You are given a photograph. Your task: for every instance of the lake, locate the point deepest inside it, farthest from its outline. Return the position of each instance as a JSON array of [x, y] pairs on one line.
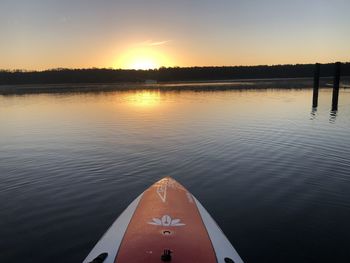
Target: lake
[[272, 172]]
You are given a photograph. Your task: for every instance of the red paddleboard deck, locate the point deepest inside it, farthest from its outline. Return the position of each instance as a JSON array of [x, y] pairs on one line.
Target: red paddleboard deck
[[164, 224]]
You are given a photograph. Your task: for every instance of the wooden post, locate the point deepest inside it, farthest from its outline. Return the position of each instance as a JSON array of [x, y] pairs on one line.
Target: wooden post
[[316, 85], [336, 86]]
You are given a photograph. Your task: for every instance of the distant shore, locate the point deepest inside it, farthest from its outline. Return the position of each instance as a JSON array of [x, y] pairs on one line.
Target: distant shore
[[215, 85], [176, 78], [171, 74]]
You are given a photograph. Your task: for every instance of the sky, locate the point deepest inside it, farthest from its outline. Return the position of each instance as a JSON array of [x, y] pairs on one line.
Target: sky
[[44, 34]]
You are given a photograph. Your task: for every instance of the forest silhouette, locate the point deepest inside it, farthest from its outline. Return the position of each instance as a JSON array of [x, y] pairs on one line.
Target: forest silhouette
[[103, 75]]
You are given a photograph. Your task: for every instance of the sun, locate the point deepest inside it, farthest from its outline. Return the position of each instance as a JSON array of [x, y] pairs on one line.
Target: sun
[[142, 58], [144, 63]]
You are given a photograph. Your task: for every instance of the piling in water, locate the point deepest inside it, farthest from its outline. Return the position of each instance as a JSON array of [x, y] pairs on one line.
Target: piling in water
[[316, 85], [336, 86]]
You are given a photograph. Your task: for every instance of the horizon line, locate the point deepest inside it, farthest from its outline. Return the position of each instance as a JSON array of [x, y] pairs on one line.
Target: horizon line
[[163, 67]]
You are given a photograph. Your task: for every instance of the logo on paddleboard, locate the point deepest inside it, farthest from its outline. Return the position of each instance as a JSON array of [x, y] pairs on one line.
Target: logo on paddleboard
[[161, 191], [164, 184], [166, 221]]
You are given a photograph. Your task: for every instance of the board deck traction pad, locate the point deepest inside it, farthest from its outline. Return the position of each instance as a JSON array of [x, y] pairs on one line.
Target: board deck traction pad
[[165, 217]]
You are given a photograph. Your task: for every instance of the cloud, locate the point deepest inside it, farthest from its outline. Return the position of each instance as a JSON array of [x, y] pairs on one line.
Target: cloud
[[159, 43], [154, 43]]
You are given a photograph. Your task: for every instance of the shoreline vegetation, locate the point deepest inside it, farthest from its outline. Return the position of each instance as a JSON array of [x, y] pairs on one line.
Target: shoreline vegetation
[[190, 78]]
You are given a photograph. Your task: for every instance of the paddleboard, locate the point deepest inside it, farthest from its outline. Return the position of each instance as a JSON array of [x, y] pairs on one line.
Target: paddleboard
[[166, 223]]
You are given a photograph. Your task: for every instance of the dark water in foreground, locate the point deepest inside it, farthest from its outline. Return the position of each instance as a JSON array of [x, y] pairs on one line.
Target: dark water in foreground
[[274, 175]]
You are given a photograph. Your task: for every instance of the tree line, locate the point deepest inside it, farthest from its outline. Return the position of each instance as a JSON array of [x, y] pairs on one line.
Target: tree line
[[163, 74]]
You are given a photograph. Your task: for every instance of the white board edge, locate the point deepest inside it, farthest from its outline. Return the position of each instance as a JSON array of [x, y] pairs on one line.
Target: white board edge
[[222, 246], [112, 238]]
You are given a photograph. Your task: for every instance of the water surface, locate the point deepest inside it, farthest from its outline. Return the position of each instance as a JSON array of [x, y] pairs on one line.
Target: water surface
[[273, 173]]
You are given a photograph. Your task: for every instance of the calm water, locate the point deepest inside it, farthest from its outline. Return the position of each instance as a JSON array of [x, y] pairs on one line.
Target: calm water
[[274, 174]]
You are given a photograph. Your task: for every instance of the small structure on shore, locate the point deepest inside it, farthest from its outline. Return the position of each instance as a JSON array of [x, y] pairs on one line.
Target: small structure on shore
[[151, 81]]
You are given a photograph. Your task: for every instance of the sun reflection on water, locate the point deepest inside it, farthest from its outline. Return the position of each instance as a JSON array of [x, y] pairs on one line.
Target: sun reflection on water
[[145, 98]]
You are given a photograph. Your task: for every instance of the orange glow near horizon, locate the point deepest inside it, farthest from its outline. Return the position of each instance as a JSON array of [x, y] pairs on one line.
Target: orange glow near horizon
[[42, 35], [142, 58]]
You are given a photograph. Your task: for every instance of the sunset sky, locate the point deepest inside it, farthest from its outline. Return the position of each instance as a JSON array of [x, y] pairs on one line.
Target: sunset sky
[[42, 34]]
